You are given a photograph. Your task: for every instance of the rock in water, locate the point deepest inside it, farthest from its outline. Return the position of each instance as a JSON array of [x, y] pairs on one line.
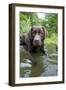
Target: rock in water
[[25, 65]]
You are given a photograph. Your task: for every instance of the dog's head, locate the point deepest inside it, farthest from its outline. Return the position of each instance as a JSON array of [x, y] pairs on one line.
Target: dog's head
[[38, 34]]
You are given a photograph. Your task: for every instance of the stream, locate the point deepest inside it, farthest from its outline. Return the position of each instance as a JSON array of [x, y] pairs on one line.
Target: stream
[[47, 65]]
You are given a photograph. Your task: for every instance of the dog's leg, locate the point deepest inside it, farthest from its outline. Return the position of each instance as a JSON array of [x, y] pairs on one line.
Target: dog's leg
[[31, 59]]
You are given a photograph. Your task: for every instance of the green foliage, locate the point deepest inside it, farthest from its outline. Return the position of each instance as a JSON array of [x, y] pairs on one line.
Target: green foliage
[[24, 23], [53, 39], [51, 23]]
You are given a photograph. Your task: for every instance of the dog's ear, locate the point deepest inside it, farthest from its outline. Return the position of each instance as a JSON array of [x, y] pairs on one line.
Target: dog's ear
[[45, 31], [30, 33], [28, 39]]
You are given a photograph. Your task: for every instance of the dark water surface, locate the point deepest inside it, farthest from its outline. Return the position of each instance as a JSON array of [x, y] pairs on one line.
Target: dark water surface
[[47, 65]]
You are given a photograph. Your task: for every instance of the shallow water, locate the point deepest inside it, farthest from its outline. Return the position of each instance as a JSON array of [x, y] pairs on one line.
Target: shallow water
[[47, 65]]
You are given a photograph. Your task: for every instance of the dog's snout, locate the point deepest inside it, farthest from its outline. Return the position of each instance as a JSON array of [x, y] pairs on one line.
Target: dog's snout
[[37, 40]]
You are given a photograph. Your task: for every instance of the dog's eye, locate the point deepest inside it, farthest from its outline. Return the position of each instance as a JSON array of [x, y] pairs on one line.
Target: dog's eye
[[34, 33]]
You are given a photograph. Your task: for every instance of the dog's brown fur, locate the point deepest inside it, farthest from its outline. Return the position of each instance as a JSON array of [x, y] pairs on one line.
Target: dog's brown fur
[[34, 40]]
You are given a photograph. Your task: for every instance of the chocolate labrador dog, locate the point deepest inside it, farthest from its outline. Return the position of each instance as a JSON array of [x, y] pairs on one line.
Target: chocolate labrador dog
[[34, 40]]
